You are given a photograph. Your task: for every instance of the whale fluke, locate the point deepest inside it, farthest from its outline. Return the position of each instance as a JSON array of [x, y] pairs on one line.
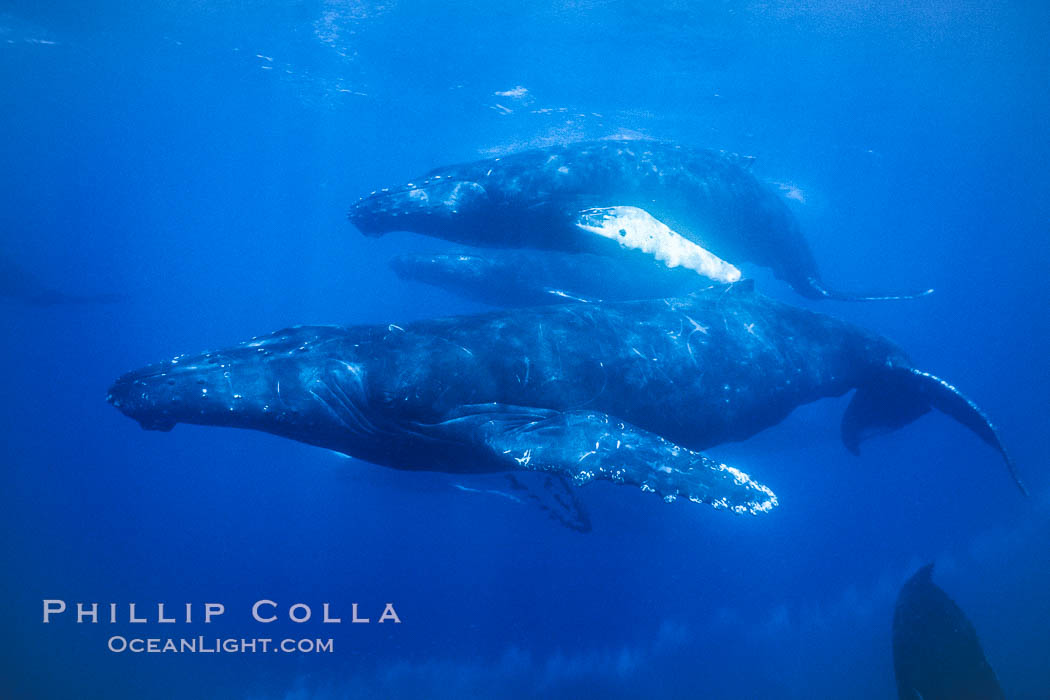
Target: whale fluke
[[814, 289], [900, 394], [950, 401]]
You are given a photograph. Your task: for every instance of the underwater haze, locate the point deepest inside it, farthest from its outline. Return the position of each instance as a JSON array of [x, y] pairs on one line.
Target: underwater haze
[[193, 163]]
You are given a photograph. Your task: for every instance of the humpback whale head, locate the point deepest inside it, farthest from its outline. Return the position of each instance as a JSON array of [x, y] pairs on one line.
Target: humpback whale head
[[285, 383], [438, 205]]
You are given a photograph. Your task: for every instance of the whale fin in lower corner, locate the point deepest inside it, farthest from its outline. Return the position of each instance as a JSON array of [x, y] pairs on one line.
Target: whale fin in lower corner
[[584, 446]]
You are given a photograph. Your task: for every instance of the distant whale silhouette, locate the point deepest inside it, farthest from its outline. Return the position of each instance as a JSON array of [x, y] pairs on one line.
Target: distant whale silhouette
[[533, 277], [21, 285], [692, 208], [936, 653], [626, 392]]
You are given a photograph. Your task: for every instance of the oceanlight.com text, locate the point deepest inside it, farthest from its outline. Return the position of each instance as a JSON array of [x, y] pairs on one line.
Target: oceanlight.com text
[[217, 645]]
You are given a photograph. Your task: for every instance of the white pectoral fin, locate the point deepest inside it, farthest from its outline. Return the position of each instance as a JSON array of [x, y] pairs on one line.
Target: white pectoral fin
[[637, 229], [585, 445]]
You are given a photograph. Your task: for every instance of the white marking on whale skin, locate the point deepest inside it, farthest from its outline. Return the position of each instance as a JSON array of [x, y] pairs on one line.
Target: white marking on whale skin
[[791, 191], [493, 492], [635, 228], [566, 295], [517, 91]]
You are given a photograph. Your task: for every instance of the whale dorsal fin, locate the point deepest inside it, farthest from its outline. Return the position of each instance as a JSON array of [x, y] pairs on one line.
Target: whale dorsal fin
[[925, 574], [739, 160], [743, 287]]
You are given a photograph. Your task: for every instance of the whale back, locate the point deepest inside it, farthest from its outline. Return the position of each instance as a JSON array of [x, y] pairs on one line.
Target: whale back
[[717, 365], [708, 196]]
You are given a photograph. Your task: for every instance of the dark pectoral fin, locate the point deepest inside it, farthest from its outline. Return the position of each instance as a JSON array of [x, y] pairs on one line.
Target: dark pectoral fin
[[553, 494], [585, 445]]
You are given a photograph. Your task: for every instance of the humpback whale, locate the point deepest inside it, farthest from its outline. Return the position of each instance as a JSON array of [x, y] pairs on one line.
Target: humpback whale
[[629, 392], [936, 653], [532, 277], [698, 209]]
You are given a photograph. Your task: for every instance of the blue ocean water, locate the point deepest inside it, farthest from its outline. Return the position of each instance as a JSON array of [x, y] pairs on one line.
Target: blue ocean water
[[199, 159]]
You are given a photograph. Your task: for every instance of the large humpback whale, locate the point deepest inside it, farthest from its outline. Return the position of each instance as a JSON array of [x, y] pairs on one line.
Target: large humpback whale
[[698, 209], [936, 653], [627, 392]]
